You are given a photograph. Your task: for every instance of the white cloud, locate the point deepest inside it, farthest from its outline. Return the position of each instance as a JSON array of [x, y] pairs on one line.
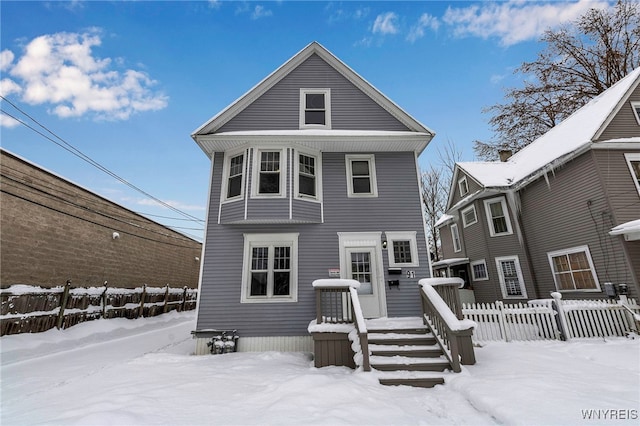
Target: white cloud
[[260, 12], [9, 87], [6, 58], [8, 122], [61, 70], [425, 21], [386, 23], [215, 4], [515, 21]]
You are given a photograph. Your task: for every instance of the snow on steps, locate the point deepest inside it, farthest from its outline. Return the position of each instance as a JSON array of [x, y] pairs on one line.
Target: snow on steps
[[404, 352]]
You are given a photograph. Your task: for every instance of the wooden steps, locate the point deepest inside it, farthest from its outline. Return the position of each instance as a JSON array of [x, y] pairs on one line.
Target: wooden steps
[[406, 353]]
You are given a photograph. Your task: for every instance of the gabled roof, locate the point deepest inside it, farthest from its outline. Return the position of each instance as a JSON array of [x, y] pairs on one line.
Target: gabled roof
[[217, 121], [558, 145]]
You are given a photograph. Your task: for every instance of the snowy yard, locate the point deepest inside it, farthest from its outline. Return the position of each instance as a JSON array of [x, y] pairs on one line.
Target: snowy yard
[[140, 372]]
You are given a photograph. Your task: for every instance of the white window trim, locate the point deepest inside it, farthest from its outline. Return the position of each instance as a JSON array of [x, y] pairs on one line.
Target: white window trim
[[634, 107], [462, 181], [372, 174], [327, 108], [255, 174], [285, 239], [402, 236], [486, 270], [475, 214], [629, 157], [487, 210], [503, 287], [226, 168], [296, 180], [578, 249], [456, 247]]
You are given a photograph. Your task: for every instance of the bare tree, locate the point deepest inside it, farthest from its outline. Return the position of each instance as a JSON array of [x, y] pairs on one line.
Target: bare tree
[[436, 182], [580, 61]]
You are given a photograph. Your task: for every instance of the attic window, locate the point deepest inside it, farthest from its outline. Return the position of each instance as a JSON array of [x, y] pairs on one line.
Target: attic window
[[463, 186], [315, 108], [635, 106]]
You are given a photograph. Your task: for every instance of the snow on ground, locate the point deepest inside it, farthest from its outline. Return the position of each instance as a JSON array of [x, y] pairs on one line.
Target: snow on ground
[[141, 372]]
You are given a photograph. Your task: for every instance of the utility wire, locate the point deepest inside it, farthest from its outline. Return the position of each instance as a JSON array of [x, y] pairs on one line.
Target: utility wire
[[75, 151]]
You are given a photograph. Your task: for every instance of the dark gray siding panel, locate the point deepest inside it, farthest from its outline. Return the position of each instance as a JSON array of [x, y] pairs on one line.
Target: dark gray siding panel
[[618, 184], [263, 209], [318, 252], [472, 184], [624, 124], [278, 108], [571, 211], [232, 212], [306, 211]]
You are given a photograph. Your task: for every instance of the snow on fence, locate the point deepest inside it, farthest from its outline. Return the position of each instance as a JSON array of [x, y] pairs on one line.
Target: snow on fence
[[552, 319], [33, 309]]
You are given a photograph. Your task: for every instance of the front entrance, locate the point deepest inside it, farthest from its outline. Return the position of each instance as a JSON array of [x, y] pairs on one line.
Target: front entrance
[[361, 260]]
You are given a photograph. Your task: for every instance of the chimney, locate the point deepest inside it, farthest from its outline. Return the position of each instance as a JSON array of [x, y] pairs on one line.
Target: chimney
[[505, 154]]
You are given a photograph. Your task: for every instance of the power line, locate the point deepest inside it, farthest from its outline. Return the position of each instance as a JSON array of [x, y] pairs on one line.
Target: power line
[[75, 151]]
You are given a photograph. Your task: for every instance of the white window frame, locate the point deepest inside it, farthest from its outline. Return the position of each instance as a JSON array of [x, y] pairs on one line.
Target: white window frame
[[402, 236], [635, 107], [455, 237], [463, 186], [464, 218], [629, 157], [503, 286], [327, 108], [372, 175], [318, 174], [255, 175], [270, 240], [226, 170], [486, 270], [505, 211], [568, 251]]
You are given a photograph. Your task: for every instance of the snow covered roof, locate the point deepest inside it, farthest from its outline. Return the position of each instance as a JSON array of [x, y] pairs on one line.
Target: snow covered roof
[[560, 143], [449, 262], [630, 230], [443, 219]]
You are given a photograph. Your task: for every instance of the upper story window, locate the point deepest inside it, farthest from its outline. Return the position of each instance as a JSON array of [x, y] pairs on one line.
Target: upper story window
[[269, 173], [315, 108], [636, 110], [361, 175], [270, 272], [233, 182], [307, 182], [479, 270], [469, 216], [463, 186], [455, 236], [573, 269], [403, 249], [633, 161], [498, 217]]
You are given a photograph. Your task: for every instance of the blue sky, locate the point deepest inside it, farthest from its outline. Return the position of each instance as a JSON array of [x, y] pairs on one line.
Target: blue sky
[[127, 83]]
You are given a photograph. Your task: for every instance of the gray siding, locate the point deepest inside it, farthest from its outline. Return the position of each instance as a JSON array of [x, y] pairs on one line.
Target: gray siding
[[574, 212], [618, 184], [397, 208], [473, 187], [624, 124], [278, 108]]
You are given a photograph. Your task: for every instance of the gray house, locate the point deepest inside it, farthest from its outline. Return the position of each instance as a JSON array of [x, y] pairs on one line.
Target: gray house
[[313, 175], [561, 215]]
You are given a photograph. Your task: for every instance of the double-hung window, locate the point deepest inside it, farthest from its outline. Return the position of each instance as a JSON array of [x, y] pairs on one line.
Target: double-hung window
[[635, 106], [511, 280], [469, 216], [307, 172], [361, 175], [463, 186], [402, 249], [479, 270], [315, 108], [497, 217], [573, 269], [455, 237], [270, 272], [269, 173], [234, 176], [633, 161]]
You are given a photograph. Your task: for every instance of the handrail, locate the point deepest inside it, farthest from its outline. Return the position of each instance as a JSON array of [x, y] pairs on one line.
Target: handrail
[[452, 334], [337, 302]]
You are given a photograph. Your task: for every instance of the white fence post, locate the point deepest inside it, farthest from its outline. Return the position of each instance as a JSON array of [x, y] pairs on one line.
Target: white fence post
[[564, 327], [501, 319]]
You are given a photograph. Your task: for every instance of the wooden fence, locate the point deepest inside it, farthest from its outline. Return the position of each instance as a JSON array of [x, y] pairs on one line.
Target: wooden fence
[[31, 309], [552, 319]]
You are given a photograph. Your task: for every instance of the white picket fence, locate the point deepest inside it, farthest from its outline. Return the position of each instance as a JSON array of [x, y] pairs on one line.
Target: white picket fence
[[540, 320]]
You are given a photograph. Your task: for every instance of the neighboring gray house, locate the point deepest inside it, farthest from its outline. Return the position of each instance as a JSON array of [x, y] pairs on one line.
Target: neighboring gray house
[[314, 175], [559, 215]]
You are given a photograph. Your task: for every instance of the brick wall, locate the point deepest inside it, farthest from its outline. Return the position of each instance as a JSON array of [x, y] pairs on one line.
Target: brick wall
[[52, 230]]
